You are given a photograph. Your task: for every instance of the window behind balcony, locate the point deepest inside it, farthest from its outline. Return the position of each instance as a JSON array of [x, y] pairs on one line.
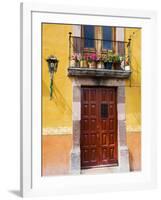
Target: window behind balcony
[[103, 34], [107, 37], [89, 36]]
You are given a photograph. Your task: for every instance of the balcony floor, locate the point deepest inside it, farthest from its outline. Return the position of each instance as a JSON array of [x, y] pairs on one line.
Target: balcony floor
[[103, 73]]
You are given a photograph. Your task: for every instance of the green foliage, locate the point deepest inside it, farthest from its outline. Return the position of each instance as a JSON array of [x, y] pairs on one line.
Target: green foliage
[[112, 58], [116, 59]]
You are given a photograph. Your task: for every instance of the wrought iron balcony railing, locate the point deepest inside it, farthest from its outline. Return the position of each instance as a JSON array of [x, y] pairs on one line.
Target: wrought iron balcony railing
[[106, 55]]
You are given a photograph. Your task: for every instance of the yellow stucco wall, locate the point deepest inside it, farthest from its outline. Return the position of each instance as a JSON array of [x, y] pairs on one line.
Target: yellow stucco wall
[[56, 113], [133, 86]]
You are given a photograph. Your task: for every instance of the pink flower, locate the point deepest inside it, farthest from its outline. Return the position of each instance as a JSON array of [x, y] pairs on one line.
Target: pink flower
[[93, 57]]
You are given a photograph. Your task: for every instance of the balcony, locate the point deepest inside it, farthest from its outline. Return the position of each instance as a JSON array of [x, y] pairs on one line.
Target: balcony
[[99, 61], [103, 73]]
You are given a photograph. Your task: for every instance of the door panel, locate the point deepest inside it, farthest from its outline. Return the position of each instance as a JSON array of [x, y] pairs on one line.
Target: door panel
[[98, 127]]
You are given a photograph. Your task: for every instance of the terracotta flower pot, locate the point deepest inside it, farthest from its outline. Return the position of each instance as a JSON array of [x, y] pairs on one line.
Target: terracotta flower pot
[[117, 66], [127, 68], [92, 65], [72, 63], [100, 65], [84, 63]]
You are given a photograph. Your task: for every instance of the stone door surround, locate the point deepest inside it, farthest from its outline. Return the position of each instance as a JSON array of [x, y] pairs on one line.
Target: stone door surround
[[123, 154]]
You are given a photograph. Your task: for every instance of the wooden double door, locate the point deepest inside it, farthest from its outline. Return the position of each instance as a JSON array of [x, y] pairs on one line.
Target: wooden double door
[[98, 139]]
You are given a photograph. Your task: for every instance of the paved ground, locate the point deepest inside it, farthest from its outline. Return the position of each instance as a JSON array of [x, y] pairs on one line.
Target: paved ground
[[56, 153]]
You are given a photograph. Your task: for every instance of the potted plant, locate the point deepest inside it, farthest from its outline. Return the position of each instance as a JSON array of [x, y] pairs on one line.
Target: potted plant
[[108, 61], [117, 62], [91, 59], [99, 61], [75, 60], [72, 61], [83, 61], [127, 66]]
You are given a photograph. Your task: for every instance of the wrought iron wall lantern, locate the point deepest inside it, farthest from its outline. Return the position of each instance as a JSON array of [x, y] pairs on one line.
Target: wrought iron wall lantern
[[52, 66]]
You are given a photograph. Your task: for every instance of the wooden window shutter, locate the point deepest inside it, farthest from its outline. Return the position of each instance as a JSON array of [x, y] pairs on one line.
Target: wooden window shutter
[[120, 46], [77, 42]]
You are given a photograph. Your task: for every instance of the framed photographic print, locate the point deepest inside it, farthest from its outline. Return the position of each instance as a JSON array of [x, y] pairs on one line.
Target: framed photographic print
[[87, 99]]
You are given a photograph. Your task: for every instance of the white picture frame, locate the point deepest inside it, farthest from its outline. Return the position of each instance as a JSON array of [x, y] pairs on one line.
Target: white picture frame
[[32, 183]]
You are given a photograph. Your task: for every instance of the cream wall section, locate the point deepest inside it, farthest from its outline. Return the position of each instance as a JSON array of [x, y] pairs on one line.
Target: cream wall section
[[133, 89], [56, 113]]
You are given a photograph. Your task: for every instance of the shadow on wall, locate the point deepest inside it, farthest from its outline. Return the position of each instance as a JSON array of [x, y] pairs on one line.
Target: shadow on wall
[[134, 146], [58, 98], [136, 73], [135, 59]]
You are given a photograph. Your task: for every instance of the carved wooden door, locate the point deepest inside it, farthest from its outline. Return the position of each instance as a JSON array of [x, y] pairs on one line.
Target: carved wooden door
[[98, 140]]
